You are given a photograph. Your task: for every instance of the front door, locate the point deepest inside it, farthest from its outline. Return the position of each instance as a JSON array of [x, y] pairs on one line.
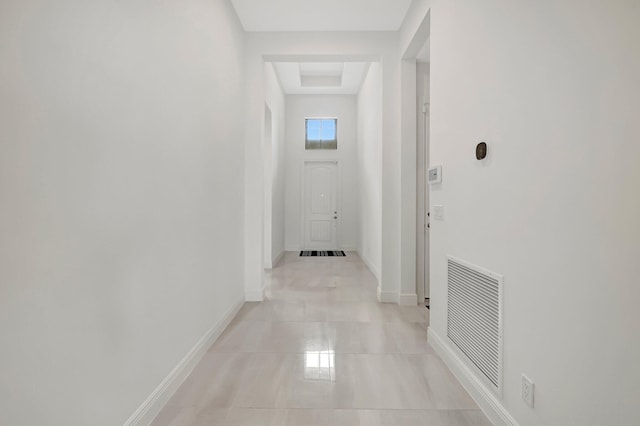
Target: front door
[[321, 214]]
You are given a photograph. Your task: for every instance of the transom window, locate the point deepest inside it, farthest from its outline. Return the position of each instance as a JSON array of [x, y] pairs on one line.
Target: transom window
[[321, 133]]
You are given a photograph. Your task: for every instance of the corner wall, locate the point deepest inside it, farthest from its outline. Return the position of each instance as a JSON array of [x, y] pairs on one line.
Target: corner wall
[[275, 99], [552, 87], [370, 169], [121, 137]]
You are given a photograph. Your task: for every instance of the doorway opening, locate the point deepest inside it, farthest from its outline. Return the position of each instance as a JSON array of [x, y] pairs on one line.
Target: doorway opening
[[423, 215], [325, 111], [415, 121]]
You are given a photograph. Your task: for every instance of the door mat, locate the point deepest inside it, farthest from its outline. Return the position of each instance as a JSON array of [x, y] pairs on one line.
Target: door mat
[[338, 253]]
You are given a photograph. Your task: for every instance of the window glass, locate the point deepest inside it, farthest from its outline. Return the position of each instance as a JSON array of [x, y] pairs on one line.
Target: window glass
[[328, 130], [321, 133], [314, 130]]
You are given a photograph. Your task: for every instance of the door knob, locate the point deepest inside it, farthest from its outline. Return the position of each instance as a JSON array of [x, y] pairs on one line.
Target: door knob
[[335, 217]]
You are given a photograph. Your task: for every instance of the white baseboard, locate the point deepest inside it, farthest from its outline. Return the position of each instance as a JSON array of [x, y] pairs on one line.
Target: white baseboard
[[277, 259], [387, 296], [254, 295], [150, 408], [372, 267], [348, 248], [408, 299], [274, 262], [485, 399]]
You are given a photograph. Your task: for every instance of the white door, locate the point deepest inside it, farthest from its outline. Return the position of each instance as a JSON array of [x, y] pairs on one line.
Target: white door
[[321, 215]]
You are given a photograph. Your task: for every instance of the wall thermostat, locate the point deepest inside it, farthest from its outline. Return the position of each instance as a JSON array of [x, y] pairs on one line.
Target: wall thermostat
[[435, 174], [481, 150]]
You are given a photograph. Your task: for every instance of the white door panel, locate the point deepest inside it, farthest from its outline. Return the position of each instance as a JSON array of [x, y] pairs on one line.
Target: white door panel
[[321, 231], [320, 211]]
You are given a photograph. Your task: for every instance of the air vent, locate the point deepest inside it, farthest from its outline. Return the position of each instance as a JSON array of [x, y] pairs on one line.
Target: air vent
[[474, 317]]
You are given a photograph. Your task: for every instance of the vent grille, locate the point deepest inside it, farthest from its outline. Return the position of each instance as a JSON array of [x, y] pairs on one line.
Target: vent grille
[[474, 317]]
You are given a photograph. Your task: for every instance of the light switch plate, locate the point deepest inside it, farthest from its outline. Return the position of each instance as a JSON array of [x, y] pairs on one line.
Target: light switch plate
[[435, 174], [438, 212]]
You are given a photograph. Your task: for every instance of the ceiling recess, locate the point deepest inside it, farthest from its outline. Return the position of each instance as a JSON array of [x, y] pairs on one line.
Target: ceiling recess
[[322, 78]]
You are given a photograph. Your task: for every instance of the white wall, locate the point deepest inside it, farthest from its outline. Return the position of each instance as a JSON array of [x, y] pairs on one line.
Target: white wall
[[370, 169], [275, 99], [552, 87], [299, 107], [121, 129]]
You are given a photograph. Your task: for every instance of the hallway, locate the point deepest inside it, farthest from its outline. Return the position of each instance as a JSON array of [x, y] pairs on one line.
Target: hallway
[[321, 351]]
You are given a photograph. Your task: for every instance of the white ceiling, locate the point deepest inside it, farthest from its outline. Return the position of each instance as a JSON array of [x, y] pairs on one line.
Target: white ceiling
[[327, 78], [325, 15]]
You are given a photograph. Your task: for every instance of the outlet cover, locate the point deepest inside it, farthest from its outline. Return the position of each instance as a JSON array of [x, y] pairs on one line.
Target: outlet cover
[[527, 390]]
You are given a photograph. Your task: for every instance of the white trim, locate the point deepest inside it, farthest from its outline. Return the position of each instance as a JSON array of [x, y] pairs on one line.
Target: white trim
[[255, 296], [482, 395], [346, 248], [150, 408], [408, 299], [277, 259], [372, 267], [268, 264], [387, 296], [271, 263]]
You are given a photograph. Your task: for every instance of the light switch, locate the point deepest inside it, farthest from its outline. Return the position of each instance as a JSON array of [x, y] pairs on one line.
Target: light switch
[[434, 174], [438, 212]]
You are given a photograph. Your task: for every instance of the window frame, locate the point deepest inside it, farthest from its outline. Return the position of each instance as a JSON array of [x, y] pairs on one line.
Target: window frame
[[311, 144]]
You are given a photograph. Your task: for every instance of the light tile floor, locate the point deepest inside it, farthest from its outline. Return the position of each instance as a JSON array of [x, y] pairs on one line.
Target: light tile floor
[[322, 351]]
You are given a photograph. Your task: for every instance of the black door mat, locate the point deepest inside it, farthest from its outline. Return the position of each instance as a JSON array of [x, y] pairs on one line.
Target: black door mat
[[338, 253]]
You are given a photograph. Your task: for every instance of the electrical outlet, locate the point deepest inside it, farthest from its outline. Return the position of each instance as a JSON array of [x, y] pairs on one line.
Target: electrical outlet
[[527, 390]]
